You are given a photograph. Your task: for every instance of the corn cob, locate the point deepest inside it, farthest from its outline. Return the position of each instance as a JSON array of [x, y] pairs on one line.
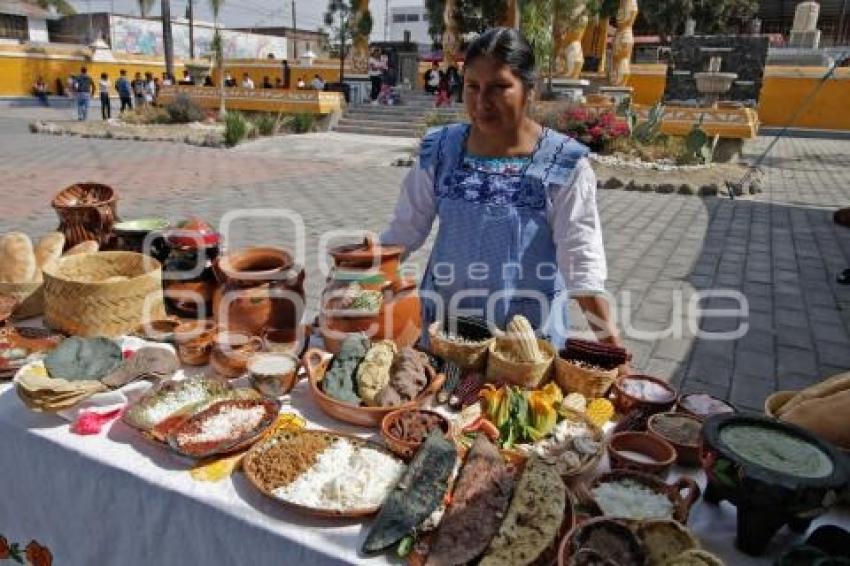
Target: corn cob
[[523, 340], [605, 356], [467, 391]]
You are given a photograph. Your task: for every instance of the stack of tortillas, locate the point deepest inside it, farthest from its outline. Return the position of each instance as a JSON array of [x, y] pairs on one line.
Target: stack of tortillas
[[69, 374], [40, 392], [823, 409]]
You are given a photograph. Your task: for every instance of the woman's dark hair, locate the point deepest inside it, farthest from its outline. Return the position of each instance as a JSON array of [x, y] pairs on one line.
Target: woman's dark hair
[[508, 46]]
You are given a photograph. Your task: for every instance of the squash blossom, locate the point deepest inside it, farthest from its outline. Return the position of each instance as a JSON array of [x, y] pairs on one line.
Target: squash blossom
[[496, 404], [543, 415]]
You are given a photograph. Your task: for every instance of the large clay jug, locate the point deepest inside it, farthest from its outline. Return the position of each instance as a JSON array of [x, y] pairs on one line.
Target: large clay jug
[[259, 288]]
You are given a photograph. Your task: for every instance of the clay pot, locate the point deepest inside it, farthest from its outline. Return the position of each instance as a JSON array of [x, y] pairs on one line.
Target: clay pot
[[144, 236], [683, 493], [626, 400], [231, 353], [686, 454], [623, 446], [407, 448], [187, 274], [194, 341], [259, 288], [273, 374], [287, 340], [87, 211], [376, 267]]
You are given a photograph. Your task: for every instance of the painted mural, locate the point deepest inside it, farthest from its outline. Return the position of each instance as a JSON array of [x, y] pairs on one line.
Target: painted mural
[[135, 35]]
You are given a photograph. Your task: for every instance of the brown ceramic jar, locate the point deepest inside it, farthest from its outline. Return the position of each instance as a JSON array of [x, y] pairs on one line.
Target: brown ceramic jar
[[399, 318], [258, 288]]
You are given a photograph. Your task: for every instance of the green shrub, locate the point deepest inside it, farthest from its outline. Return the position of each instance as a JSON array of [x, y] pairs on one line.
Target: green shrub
[[235, 128], [145, 115], [436, 118], [183, 110], [302, 123], [266, 124]]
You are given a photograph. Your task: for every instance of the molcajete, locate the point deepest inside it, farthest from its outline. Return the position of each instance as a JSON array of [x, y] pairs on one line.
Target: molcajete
[[775, 474], [258, 288], [372, 269]]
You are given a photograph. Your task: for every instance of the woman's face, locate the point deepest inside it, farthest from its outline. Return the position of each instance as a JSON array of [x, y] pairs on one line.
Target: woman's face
[[495, 99]]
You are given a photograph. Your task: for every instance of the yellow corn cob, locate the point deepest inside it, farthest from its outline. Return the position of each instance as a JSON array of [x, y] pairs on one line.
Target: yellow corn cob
[[522, 339]]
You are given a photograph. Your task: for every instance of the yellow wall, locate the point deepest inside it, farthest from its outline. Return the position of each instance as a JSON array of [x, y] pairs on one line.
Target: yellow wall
[[262, 100], [21, 66]]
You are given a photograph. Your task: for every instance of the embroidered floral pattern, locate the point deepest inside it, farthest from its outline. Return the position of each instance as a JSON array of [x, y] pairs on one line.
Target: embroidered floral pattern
[[34, 554]]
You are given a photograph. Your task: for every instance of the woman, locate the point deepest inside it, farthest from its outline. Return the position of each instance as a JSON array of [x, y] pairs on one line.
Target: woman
[[105, 106], [516, 203], [375, 72]]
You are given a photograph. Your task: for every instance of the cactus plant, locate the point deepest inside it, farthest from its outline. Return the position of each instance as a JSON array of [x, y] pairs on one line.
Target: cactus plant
[[645, 132], [699, 146]]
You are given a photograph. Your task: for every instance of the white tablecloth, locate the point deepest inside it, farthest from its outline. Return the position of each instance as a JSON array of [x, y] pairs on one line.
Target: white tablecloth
[[116, 498]]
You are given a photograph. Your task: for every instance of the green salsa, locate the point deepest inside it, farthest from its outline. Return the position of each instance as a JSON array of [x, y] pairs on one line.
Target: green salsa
[[777, 451]]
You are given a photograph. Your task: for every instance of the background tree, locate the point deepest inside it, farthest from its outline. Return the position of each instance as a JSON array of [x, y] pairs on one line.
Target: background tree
[[344, 26], [472, 16], [668, 17], [61, 6], [145, 7]]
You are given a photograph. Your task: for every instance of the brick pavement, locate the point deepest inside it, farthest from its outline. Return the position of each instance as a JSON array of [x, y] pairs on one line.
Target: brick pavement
[[780, 250]]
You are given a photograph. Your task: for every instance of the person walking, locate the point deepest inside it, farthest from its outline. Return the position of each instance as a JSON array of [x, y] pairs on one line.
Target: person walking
[[149, 91], [247, 81], [84, 87], [139, 90], [125, 92], [39, 90], [105, 106], [432, 78], [317, 83], [375, 72], [455, 83]]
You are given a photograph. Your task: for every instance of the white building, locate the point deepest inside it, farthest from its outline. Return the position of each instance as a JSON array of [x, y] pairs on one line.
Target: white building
[[408, 21], [22, 21]]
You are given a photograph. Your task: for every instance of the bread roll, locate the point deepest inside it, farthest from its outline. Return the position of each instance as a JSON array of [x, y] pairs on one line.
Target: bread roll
[[17, 258], [49, 248], [825, 388], [824, 416], [87, 247]]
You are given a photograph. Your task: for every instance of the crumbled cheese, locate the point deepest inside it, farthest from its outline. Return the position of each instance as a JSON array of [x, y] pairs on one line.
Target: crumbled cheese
[[229, 423], [345, 476]]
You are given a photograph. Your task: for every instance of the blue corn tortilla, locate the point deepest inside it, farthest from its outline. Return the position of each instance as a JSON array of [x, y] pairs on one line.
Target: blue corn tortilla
[[83, 359]]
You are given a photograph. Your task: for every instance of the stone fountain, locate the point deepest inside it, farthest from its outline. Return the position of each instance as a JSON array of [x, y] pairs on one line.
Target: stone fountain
[[713, 83]]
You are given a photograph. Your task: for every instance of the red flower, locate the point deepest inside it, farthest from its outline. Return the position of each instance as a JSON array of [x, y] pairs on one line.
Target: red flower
[[38, 555]]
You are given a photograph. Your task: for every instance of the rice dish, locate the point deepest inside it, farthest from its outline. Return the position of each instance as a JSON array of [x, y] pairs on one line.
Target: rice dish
[[344, 476], [631, 500]]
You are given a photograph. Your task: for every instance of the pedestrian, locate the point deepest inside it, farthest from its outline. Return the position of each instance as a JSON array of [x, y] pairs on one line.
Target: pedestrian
[[105, 106], [278, 83], [166, 80], [247, 82], [432, 78], [187, 79], [39, 90], [317, 83], [443, 94], [287, 74], [455, 83], [542, 219], [84, 87], [267, 82], [208, 80], [125, 92], [300, 84], [138, 86], [149, 91], [229, 81], [375, 71]]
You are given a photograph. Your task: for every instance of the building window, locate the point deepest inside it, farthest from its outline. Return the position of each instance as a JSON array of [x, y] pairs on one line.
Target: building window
[[13, 27], [399, 18], [412, 17]]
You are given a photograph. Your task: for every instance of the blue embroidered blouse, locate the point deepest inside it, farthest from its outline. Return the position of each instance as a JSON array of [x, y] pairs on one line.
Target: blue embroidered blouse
[[513, 233]]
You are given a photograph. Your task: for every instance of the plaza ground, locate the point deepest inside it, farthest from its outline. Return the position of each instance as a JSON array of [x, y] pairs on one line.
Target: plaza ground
[[781, 249]]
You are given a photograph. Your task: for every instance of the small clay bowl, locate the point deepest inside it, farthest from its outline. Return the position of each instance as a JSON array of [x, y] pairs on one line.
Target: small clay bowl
[[273, 374], [703, 405], [194, 341], [687, 453], [627, 398], [640, 452], [407, 448], [161, 330]]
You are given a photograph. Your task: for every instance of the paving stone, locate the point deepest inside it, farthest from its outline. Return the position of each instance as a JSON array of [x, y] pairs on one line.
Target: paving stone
[[796, 360], [755, 363], [833, 354], [750, 392]]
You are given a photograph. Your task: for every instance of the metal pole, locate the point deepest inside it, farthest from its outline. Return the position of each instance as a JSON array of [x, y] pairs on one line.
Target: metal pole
[[191, 31], [294, 35], [387, 20]]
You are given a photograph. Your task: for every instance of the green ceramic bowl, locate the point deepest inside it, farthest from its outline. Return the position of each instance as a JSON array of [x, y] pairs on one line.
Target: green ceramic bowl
[[142, 225]]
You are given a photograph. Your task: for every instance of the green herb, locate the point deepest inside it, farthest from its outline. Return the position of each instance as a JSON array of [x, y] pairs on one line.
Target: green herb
[[405, 546]]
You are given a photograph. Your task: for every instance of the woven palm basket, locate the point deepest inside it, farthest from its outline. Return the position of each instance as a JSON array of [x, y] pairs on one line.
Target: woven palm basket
[[29, 295], [530, 375], [103, 293], [589, 382]]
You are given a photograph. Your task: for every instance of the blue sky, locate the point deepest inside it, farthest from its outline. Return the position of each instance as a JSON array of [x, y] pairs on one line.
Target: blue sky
[[245, 13]]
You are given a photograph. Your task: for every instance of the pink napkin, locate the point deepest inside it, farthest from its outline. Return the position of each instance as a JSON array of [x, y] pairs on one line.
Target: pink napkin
[[92, 422]]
